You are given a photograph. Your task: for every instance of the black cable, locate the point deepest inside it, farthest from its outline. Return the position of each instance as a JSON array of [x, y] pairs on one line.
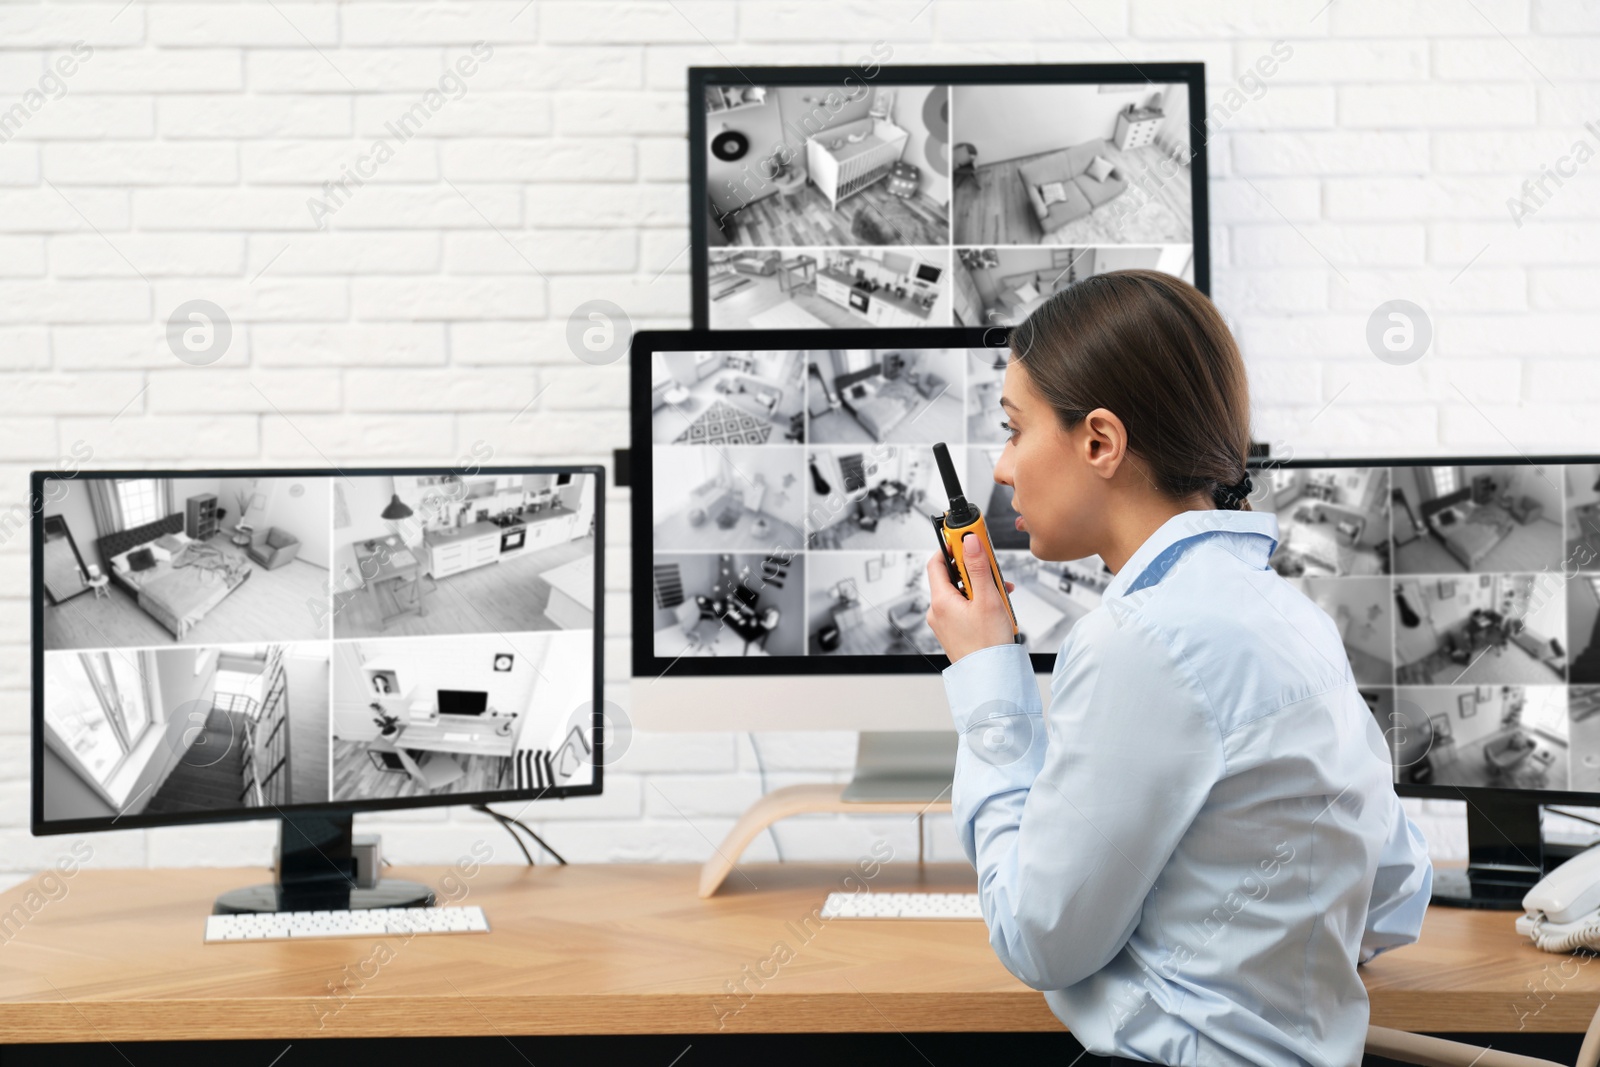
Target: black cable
[[1573, 815], [510, 820], [501, 819], [762, 771]]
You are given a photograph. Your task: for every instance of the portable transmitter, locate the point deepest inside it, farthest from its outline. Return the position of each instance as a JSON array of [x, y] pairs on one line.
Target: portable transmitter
[[964, 518]]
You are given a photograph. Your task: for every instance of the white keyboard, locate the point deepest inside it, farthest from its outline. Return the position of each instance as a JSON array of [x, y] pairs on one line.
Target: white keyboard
[[458, 737], [368, 922], [902, 906]]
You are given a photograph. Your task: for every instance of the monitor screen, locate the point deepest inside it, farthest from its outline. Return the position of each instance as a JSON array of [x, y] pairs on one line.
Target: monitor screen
[[463, 702], [211, 644], [1467, 595], [898, 196]]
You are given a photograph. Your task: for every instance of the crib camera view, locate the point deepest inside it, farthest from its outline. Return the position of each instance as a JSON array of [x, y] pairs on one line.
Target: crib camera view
[[936, 206], [796, 166]]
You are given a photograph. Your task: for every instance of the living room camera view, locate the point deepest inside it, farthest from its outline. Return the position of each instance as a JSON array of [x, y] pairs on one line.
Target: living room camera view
[[190, 667], [933, 205]]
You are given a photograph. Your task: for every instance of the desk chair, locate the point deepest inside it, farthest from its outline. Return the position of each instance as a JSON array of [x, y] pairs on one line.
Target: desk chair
[[966, 164], [691, 613], [434, 770], [1442, 1052]]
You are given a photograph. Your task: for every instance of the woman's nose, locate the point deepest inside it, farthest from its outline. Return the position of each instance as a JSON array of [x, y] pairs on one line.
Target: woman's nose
[[1002, 470]]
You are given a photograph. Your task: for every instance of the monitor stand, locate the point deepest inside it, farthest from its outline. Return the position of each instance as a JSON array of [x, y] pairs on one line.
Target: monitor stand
[[897, 773], [316, 872], [915, 766], [1507, 855]]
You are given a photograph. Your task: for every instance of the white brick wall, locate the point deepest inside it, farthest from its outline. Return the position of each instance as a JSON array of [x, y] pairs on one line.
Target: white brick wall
[[1375, 163]]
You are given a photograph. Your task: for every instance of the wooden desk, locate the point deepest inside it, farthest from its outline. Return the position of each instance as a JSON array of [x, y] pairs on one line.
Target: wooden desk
[[484, 739], [631, 949]]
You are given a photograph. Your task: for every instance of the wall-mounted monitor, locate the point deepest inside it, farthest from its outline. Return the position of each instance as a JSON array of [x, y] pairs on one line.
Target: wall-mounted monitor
[[874, 196]]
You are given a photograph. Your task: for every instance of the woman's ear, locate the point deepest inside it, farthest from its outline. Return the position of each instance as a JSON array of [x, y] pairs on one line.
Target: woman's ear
[[1104, 441]]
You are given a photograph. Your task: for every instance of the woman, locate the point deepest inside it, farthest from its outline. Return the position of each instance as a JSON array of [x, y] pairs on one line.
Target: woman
[[1195, 848]]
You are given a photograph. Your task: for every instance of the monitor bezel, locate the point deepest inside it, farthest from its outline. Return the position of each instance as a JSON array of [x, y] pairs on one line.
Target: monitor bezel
[[1188, 73], [40, 827]]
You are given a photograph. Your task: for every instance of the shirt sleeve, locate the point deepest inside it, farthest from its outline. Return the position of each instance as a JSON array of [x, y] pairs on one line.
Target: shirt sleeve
[[1401, 890], [1069, 820]]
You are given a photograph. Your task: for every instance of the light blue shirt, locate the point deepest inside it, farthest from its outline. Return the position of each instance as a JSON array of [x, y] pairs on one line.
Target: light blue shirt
[[1191, 852]]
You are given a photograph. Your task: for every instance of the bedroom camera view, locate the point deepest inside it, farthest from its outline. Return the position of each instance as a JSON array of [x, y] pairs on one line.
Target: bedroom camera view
[[896, 205], [202, 561], [216, 643]]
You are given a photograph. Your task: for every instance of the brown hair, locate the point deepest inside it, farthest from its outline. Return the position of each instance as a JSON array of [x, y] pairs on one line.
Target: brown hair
[[1153, 349]]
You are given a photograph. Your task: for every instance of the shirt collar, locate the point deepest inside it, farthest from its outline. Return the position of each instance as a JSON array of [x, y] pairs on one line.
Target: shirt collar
[[1151, 560]]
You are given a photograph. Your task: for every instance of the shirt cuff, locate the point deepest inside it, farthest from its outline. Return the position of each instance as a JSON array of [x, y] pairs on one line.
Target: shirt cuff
[[996, 682]]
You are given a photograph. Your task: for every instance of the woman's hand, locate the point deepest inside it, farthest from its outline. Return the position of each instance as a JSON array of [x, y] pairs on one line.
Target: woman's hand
[[963, 625]]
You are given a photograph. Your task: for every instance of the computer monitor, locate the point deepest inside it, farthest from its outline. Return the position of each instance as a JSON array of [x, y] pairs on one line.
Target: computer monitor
[[876, 195], [239, 644], [463, 702], [1467, 594]]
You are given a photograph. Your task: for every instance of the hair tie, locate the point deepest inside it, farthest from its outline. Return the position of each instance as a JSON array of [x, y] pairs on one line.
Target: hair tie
[[1230, 496]]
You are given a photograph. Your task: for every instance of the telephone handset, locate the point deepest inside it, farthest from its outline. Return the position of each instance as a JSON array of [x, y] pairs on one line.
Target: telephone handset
[[1564, 909]]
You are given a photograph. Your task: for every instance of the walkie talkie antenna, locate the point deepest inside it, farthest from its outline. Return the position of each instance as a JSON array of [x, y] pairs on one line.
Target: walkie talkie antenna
[[947, 471], [960, 509]]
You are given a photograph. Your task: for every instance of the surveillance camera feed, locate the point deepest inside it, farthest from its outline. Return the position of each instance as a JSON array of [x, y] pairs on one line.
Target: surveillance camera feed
[[864, 205], [214, 643]]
